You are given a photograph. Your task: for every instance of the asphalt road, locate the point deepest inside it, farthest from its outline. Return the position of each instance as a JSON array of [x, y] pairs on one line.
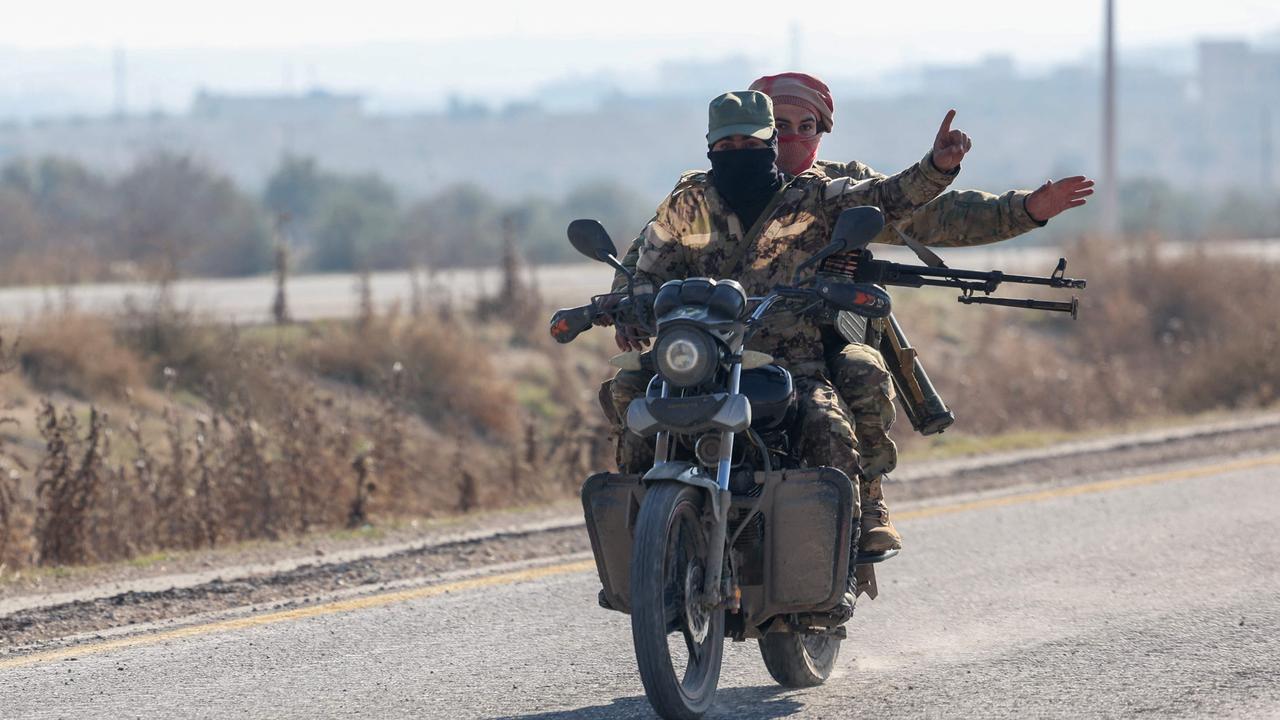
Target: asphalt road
[[310, 297], [1154, 595]]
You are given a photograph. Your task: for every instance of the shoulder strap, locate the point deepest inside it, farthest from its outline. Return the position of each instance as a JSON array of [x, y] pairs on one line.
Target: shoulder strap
[[749, 238], [927, 256]]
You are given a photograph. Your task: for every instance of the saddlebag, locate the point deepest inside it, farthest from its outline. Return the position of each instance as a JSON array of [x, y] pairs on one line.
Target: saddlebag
[[610, 503], [792, 557]]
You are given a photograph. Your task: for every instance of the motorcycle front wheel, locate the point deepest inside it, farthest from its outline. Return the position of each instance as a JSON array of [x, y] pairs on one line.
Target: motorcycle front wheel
[[679, 643]]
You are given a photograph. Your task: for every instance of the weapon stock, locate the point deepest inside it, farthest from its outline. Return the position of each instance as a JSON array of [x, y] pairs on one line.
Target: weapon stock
[[925, 408]]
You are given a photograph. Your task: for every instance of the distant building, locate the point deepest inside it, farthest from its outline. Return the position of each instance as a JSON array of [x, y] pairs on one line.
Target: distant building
[[992, 71], [706, 78], [1239, 89], [311, 106]]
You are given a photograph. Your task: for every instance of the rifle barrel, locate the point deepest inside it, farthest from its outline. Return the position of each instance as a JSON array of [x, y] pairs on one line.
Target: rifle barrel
[[1072, 307], [915, 275]]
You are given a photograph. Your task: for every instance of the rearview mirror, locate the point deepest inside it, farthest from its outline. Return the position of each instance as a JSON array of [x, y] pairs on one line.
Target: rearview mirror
[[591, 239], [857, 226]]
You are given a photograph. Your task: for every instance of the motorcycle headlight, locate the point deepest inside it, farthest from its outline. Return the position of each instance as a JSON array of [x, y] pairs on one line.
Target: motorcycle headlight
[[686, 357]]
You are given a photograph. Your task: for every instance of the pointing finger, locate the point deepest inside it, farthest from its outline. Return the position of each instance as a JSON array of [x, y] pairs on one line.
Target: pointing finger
[[946, 123]]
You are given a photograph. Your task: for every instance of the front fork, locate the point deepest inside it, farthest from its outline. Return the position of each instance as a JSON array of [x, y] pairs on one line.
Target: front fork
[[712, 590]]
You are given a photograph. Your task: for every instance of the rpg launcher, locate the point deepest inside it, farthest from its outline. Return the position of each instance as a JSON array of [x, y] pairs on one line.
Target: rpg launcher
[[859, 265]]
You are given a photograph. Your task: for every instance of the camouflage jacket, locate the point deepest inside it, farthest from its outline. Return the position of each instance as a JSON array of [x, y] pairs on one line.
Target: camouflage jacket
[[694, 234], [959, 218]]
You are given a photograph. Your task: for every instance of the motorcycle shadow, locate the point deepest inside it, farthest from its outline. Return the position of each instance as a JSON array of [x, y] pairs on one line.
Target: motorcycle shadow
[[746, 703]]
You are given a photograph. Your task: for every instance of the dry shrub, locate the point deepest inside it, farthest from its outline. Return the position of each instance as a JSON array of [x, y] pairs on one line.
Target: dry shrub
[[78, 355], [178, 341], [11, 535], [260, 446], [70, 477], [1156, 336], [1191, 333], [448, 376], [15, 516]]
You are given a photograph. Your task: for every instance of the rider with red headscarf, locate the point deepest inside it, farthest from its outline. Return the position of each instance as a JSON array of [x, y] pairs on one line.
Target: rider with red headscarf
[[804, 112]]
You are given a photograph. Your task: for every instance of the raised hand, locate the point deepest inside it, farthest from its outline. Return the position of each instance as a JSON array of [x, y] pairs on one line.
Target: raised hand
[[1053, 197], [950, 145]]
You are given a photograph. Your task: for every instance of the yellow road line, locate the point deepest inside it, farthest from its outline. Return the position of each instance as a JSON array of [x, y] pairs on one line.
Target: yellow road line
[[510, 578], [1088, 488], [361, 603]]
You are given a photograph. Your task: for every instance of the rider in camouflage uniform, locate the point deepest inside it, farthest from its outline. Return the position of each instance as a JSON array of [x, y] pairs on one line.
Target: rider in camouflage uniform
[[956, 218], [726, 224]]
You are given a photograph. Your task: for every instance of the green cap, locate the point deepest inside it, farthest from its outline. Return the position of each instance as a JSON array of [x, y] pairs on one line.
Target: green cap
[[745, 112]]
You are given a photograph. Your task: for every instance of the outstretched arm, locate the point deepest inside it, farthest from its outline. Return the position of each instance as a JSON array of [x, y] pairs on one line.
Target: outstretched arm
[[899, 195], [1052, 197], [963, 218]]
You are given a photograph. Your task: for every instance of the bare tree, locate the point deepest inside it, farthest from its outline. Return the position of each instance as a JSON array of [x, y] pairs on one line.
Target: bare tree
[[280, 305]]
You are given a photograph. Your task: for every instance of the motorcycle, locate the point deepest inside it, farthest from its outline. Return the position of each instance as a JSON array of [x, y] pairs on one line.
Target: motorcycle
[[728, 533]]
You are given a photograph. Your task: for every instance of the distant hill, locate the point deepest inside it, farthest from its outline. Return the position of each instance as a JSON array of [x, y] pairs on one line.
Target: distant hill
[[1212, 129]]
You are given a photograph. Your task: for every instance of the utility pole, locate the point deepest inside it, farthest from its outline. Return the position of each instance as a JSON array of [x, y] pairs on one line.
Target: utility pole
[[1110, 181]]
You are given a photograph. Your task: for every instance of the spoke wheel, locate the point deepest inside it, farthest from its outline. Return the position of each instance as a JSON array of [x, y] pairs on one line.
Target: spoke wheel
[[679, 641]]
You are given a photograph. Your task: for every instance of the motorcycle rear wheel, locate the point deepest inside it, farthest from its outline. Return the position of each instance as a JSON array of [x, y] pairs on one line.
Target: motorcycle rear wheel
[[668, 626], [799, 661]]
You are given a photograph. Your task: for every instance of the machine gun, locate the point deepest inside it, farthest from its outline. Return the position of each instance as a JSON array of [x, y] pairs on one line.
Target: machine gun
[[925, 408], [861, 266]]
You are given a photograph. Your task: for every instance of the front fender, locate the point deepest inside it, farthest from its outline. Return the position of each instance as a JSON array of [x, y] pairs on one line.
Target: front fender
[[689, 474]]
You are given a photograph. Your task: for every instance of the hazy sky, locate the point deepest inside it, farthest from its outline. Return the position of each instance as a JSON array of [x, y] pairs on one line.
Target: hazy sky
[[508, 47], [895, 31]]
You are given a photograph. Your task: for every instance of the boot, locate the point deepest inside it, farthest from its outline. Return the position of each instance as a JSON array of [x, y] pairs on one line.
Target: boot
[[878, 533]]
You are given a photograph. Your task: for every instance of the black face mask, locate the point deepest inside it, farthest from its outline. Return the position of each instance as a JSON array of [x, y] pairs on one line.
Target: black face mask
[[746, 179]]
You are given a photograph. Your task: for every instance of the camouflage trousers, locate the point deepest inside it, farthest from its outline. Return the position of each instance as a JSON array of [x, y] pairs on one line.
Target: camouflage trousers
[[862, 379], [826, 430], [633, 452]]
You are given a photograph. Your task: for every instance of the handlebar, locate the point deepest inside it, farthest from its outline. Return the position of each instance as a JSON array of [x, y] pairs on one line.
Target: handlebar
[[626, 310], [569, 323]]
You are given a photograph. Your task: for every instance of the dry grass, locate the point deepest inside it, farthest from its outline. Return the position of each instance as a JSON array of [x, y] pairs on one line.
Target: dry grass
[[1155, 337], [80, 356], [15, 534], [444, 372], [269, 434], [240, 435]]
